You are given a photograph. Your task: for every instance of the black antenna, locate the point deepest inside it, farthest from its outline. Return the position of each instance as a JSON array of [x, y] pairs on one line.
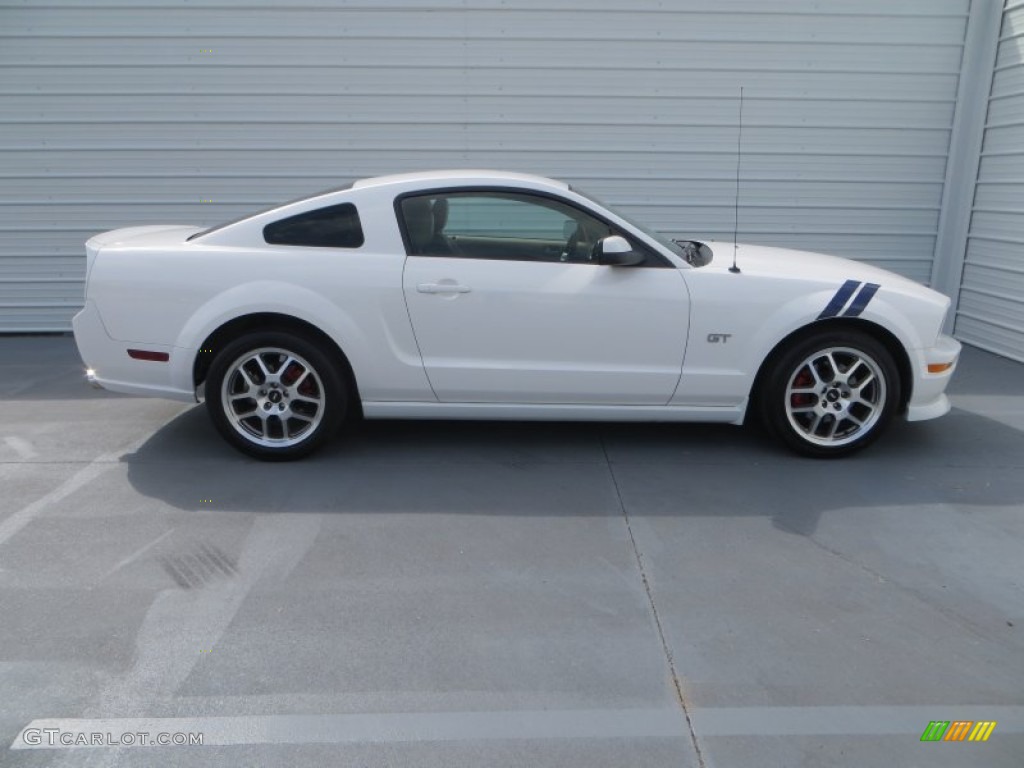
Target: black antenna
[[736, 214]]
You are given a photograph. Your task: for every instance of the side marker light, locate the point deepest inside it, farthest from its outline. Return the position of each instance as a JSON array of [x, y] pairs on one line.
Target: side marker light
[[146, 354]]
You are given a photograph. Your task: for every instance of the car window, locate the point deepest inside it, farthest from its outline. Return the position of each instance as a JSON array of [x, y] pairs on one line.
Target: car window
[[336, 226], [475, 216], [247, 216], [509, 226]]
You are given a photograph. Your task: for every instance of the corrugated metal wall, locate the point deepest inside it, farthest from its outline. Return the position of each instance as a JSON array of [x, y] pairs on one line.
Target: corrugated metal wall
[[991, 310], [151, 112]]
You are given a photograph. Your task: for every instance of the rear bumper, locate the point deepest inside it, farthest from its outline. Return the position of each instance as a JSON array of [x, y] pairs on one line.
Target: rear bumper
[[109, 366], [928, 399]]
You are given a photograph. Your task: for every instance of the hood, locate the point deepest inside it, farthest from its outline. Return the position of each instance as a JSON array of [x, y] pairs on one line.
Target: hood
[[818, 267]]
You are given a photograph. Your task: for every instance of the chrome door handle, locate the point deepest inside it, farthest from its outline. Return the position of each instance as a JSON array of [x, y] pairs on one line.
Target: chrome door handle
[[442, 288]]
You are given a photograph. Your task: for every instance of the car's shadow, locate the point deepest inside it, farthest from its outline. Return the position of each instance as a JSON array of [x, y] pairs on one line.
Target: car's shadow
[[511, 468]]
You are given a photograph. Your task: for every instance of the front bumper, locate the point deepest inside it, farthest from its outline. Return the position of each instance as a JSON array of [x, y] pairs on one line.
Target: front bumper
[[928, 398]]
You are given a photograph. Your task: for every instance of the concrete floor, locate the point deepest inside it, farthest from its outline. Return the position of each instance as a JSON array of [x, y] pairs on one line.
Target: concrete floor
[[453, 594]]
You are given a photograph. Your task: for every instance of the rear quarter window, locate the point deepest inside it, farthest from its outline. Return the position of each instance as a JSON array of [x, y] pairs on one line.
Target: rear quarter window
[[336, 226]]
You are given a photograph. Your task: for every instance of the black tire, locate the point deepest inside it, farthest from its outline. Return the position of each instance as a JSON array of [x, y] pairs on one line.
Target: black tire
[[285, 415], [830, 394]]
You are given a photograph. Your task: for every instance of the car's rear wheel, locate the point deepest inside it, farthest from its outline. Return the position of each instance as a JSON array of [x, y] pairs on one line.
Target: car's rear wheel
[[275, 395], [830, 394]]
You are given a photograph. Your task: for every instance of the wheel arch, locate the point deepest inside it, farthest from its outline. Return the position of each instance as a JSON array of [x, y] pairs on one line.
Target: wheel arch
[[878, 332], [271, 321]]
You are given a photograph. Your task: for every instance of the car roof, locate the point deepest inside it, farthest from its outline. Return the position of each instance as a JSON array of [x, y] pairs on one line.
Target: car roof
[[467, 175], [410, 181]]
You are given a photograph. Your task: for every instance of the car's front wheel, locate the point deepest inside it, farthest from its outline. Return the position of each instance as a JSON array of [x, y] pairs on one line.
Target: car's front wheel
[[275, 395], [831, 393]]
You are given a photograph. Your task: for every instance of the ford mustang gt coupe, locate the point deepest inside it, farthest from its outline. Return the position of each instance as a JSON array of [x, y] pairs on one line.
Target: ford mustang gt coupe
[[490, 295]]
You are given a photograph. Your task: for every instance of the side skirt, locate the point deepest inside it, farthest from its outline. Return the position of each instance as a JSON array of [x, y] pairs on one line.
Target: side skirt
[[534, 412]]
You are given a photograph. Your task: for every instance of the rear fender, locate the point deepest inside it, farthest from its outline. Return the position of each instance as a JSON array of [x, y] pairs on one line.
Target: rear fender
[[251, 298]]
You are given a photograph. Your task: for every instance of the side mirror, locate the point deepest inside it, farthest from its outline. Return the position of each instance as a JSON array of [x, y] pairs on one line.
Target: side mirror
[[615, 251]]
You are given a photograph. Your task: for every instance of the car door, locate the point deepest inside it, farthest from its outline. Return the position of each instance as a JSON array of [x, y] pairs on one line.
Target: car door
[[508, 306]]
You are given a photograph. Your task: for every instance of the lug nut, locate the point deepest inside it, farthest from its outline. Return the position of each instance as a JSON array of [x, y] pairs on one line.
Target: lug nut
[[266, 406]]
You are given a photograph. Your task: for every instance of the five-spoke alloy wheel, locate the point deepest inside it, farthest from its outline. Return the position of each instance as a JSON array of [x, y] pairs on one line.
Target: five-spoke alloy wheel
[[275, 395], [831, 393]]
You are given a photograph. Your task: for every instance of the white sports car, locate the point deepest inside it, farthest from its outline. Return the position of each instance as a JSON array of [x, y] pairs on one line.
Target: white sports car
[[487, 295]]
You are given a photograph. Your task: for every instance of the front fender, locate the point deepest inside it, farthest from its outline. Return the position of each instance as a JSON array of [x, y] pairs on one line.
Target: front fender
[[737, 321], [804, 312]]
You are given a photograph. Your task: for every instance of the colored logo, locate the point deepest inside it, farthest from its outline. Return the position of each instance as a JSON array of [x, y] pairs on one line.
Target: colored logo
[[958, 730]]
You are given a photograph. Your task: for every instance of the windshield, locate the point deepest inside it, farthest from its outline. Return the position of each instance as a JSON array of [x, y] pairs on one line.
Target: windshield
[[694, 252], [672, 245]]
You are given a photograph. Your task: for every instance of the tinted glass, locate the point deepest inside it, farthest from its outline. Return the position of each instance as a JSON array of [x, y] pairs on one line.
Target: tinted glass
[[337, 226], [506, 225], [503, 225], [265, 210], [506, 217]]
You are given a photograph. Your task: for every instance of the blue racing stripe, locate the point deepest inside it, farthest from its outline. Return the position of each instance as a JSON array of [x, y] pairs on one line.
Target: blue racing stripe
[[839, 300], [861, 300]]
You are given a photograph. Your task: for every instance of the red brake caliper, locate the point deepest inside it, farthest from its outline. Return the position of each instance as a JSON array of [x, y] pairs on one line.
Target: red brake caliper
[[289, 376], [803, 379]]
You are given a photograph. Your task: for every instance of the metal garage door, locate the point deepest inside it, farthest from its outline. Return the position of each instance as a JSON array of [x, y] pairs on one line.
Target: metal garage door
[[167, 111], [991, 309]]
